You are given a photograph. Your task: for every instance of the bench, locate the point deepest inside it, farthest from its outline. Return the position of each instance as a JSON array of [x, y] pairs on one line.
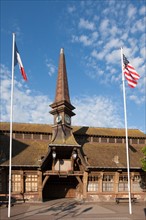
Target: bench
[[4, 200], [133, 199], [5, 203]]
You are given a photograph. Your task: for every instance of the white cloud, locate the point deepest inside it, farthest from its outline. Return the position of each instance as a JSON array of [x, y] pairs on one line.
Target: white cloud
[[93, 111], [85, 40], [28, 107], [143, 51], [71, 9], [139, 25], [94, 36], [86, 24], [104, 25], [113, 57], [131, 11], [138, 100], [51, 67], [82, 39], [113, 43], [98, 55], [142, 10]]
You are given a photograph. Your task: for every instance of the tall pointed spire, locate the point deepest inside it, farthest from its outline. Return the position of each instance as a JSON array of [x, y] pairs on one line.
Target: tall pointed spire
[[62, 99], [62, 91], [62, 109]]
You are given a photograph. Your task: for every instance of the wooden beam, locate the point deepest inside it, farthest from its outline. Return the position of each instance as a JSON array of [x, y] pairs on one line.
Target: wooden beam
[[79, 180], [44, 181]]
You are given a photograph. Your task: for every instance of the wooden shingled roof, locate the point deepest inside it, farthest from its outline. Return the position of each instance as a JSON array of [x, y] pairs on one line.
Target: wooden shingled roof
[[26, 127], [24, 152], [78, 130], [100, 155], [104, 155]]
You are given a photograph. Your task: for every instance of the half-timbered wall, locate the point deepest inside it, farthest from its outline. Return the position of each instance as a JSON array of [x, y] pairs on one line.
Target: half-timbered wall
[[27, 185]]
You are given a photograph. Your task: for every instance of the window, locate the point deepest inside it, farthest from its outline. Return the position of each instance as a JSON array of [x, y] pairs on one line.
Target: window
[[45, 137], [31, 183], [123, 183], [141, 141], [36, 136], [16, 183], [92, 183], [103, 140], [119, 140], [27, 136], [111, 140], [137, 183], [108, 183], [96, 139], [18, 135], [134, 141]]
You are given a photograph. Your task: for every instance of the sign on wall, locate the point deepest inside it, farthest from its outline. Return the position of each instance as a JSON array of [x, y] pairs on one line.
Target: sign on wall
[[63, 165]]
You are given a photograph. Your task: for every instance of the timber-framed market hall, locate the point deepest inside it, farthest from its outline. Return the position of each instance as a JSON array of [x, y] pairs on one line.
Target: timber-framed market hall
[[61, 160]]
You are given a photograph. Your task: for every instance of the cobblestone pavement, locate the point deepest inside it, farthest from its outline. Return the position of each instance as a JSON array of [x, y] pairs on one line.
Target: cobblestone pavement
[[68, 209]]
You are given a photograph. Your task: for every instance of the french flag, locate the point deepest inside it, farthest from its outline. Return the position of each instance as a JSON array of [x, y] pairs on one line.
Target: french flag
[[17, 60]]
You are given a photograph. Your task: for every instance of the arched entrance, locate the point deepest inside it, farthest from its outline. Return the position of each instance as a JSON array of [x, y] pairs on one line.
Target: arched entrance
[[60, 187]]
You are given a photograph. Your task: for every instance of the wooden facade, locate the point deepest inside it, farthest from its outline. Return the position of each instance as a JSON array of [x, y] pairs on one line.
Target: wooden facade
[[102, 175], [70, 161]]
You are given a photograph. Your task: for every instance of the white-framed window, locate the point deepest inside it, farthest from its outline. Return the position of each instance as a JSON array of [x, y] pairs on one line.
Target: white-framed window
[[136, 183], [31, 183], [92, 183], [16, 183], [123, 183], [108, 183]]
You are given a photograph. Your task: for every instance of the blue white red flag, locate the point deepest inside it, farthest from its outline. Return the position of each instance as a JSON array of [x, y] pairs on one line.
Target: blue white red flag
[[17, 60]]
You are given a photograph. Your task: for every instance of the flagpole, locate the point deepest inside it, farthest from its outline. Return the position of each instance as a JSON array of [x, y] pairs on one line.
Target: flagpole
[[11, 128], [126, 133]]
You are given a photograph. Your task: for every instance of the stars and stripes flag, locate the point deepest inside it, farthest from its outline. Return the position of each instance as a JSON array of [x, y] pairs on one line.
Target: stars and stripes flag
[[132, 77], [17, 60], [130, 73]]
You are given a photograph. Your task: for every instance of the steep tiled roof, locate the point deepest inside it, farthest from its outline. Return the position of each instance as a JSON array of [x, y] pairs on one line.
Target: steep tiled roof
[[78, 130], [29, 152], [115, 132], [26, 127], [103, 155], [24, 153]]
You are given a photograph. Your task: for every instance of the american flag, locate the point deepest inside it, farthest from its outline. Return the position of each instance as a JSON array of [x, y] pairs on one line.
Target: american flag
[[130, 73]]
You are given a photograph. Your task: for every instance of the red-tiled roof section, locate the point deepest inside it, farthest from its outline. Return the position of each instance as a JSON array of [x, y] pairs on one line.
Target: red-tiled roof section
[[77, 130]]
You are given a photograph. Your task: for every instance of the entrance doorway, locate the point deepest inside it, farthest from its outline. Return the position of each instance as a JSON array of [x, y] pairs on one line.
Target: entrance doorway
[[60, 187]]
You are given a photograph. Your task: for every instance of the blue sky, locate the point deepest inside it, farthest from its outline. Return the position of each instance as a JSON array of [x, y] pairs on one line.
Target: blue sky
[[91, 33]]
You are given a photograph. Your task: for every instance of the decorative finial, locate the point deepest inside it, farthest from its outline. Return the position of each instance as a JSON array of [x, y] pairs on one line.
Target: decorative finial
[[62, 50]]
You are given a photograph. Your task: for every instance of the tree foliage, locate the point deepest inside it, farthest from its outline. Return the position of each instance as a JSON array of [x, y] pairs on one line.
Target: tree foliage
[[143, 160]]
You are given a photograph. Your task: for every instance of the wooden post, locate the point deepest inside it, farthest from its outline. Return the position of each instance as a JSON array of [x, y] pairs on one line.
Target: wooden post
[[40, 193], [100, 182], [116, 185], [22, 185], [85, 181]]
